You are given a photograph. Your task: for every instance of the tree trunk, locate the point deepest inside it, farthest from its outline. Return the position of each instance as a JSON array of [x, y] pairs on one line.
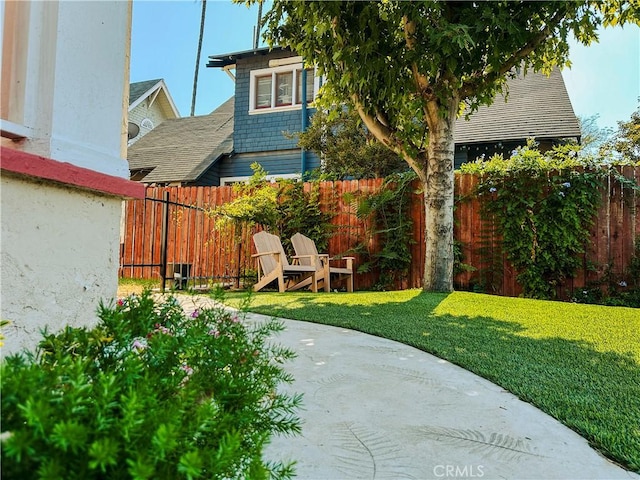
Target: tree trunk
[[436, 174], [438, 201]]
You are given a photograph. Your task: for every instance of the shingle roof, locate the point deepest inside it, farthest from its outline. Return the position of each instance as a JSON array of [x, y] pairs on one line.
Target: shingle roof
[[538, 106], [137, 89], [181, 149]]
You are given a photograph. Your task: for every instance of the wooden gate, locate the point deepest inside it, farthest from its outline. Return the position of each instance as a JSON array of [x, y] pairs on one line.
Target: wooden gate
[[173, 240]]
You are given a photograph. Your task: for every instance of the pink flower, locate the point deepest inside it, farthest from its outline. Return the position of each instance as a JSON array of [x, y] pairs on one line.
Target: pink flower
[[159, 329], [120, 302], [214, 333], [139, 344], [187, 369], [195, 313]]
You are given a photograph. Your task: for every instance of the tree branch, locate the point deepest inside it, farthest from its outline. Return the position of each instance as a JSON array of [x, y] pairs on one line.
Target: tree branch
[[422, 84], [386, 136]]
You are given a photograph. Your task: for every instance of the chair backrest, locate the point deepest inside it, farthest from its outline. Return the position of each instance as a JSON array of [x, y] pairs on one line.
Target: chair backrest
[[267, 242], [304, 246]]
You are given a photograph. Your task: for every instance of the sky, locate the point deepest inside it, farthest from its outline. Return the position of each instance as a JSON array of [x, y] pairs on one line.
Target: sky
[[604, 79]]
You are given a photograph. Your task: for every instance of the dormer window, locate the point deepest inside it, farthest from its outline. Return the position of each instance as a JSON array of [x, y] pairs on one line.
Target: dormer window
[[280, 88]]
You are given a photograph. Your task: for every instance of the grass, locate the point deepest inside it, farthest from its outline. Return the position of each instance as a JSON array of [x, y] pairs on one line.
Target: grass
[[127, 286], [578, 363]]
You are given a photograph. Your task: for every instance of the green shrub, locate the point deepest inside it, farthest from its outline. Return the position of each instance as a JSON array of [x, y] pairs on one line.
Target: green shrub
[[148, 393], [283, 208]]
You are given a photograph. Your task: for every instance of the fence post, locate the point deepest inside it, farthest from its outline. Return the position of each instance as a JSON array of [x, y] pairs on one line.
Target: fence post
[[239, 266], [164, 231]]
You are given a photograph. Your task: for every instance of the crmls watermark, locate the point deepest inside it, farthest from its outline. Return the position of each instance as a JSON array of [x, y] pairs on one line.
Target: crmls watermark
[[458, 471]]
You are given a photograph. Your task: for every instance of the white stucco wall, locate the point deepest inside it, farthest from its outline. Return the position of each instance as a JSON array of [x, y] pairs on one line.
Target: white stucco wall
[[59, 245], [75, 57], [61, 261]]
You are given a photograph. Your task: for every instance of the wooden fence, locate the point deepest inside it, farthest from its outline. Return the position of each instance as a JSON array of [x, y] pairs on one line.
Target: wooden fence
[[193, 242]]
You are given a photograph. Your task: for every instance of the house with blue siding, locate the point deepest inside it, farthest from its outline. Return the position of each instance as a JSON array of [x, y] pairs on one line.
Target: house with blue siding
[[272, 98], [273, 101]]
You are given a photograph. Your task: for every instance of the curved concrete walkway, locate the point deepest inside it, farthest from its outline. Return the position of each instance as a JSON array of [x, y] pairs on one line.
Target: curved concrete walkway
[[378, 409]]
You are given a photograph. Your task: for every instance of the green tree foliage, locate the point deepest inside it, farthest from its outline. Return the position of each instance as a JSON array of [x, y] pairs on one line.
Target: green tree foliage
[[256, 203], [148, 393], [299, 211], [625, 144], [347, 148], [408, 68], [283, 208]]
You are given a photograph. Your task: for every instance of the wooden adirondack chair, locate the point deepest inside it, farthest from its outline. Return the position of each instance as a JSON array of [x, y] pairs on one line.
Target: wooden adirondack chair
[[307, 254], [273, 263]]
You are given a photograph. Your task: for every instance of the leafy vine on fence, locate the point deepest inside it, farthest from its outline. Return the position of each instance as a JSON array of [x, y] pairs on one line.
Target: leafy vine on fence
[[544, 205], [385, 214]]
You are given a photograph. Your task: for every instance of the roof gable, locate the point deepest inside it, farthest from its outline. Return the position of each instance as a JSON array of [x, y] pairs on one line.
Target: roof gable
[[139, 91]]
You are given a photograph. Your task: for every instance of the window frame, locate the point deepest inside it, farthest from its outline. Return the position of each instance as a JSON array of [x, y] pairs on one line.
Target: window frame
[[226, 181], [14, 38], [294, 70]]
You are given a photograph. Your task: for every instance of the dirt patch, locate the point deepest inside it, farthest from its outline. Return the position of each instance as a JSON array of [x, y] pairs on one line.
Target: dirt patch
[[126, 290]]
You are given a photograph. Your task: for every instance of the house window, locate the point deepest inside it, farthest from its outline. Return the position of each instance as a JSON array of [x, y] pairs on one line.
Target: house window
[[284, 88], [263, 92], [280, 88], [310, 86], [147, 123]]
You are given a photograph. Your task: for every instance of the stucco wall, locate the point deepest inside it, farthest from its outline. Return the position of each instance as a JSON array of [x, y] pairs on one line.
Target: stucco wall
[[57, 237]]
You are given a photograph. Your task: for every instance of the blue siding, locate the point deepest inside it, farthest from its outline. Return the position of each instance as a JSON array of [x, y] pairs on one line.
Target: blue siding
[[275, 163], [262, 132], [209, 178]]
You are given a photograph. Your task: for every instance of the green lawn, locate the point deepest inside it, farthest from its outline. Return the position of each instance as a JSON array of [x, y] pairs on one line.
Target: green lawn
[[579, 363]]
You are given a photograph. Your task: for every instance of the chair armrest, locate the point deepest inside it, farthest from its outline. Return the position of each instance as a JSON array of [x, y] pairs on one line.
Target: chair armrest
[[333, 259], [264, 253], [348, 259], [322, 257]]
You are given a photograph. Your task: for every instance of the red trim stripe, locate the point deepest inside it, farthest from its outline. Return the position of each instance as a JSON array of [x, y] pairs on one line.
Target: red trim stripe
[[42, 168]]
